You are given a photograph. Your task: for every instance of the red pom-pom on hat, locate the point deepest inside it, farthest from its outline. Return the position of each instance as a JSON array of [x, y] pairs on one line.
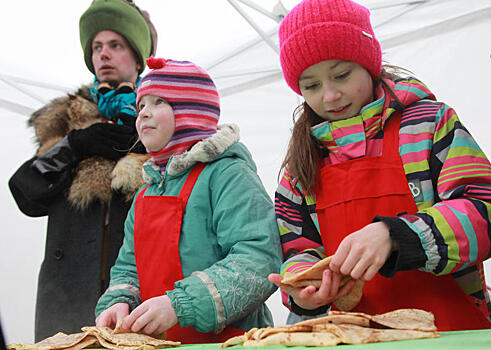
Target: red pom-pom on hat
[[156, 63]]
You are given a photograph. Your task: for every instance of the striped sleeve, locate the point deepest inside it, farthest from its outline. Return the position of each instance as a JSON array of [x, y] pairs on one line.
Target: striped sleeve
[[300, 239], [455, 229]]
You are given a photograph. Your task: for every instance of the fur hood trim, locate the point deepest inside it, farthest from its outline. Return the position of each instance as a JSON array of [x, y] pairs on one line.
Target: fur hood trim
[[95, 178], [205, 151]]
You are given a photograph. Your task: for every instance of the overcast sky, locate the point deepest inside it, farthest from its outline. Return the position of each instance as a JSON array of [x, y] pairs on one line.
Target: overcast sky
[[41, 37]]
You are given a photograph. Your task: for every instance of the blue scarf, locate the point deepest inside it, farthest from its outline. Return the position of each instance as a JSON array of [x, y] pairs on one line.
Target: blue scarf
[[113, 103]]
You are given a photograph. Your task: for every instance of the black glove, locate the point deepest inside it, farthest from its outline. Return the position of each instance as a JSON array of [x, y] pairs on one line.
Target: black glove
[[56, 164], [129, 120], [111, 141]]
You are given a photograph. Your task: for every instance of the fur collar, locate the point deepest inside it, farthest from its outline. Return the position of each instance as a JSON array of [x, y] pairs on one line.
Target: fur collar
[[207, 150], [94, 178]]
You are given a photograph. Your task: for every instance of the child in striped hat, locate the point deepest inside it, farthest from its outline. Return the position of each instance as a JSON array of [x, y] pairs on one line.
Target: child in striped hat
[[191, 94], [201, 236]]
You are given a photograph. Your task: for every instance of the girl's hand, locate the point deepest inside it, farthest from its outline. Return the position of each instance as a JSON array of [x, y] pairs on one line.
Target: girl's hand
[[362, 253], [310, 297], [113, 315], [153, 317]]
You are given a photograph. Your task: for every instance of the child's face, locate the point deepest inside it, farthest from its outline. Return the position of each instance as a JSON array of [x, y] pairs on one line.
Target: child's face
[[336, 89], [155, 123]]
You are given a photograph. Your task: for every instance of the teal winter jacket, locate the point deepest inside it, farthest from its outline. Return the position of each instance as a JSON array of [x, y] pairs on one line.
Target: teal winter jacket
[[229, 240]]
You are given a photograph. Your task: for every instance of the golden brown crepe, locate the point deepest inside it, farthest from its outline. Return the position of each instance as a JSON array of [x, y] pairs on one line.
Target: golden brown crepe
[[345, 318], [313, 277], [127, 339], [412, 319], [108, 345], [119, 327], [58, 341], [296, 339], [352, 334], [88, 341], [303, 283], [268, 331], [350, 300], [21, 346], [261, 333], [341, 327], [97, 337], [312, 273], [237, 340]]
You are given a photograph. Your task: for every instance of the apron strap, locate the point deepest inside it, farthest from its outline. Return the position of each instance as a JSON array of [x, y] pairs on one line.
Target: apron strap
[[391, 136], [190, 181], [142, 192]]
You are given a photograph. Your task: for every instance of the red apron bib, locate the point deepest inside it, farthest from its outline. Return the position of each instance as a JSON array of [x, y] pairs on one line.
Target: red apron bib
[[157, 229], [349, 195]]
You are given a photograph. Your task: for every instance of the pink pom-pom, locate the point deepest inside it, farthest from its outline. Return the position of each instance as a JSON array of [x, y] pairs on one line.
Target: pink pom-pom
[[156, 63]]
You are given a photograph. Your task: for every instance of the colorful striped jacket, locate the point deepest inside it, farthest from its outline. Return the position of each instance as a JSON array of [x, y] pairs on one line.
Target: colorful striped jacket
[[449, 177]]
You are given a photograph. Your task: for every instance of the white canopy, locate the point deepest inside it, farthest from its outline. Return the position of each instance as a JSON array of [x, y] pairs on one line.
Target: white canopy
[[445, 43]]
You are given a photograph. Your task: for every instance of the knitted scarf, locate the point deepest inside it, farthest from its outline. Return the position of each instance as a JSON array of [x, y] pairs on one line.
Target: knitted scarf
[[114, 102]]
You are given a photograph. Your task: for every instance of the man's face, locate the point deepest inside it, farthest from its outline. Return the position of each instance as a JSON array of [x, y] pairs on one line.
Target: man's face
[[113, 59]]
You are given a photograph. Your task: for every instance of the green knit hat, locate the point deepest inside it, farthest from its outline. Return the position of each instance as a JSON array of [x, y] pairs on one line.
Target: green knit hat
[[120, 17]]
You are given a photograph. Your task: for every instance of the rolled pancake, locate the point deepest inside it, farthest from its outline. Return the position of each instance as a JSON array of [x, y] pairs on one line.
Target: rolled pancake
[[127, 339], [411, 319], [296, 339], [313, 277], [352, 334]]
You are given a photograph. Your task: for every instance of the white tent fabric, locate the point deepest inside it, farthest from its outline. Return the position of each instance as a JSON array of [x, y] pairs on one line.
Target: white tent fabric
[[445, 43], [442, 42]]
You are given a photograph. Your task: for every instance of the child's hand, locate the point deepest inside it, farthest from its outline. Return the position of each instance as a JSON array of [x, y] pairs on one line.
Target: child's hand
[[362, 253], [153, 317], [112, 315], [310, 297]]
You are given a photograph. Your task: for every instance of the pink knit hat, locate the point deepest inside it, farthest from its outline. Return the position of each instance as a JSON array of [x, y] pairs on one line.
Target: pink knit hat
[[321, 30], [193, 96]]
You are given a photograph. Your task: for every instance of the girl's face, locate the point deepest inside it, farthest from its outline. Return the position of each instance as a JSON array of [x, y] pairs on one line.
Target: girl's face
[[336, 89], [155, 123]]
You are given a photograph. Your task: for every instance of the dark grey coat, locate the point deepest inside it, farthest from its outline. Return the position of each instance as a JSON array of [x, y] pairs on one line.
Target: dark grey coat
[[76, 199], [70, 279]]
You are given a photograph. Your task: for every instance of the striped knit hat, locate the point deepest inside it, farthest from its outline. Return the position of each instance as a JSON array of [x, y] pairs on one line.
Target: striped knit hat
[[192, 95], [321, 30]]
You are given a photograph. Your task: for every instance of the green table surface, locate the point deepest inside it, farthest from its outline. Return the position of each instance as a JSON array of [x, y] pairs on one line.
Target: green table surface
[[463, 340]]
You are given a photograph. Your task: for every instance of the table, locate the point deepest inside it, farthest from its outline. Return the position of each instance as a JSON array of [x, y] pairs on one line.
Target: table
[[461, 340]]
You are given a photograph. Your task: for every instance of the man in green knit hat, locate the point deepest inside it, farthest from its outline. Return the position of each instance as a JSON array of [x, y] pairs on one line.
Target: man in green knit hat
[[86, 168]]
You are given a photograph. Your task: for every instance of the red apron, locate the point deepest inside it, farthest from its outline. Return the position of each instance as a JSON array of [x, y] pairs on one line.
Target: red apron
[[349, 195], [157, 229]]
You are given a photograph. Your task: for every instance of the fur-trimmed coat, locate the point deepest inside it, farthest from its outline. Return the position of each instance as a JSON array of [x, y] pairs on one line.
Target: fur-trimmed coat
[[86, 208], [229, 241]]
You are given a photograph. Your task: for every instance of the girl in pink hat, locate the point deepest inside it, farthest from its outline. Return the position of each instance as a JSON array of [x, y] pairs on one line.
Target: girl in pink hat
[[200, 237], [380, 175]]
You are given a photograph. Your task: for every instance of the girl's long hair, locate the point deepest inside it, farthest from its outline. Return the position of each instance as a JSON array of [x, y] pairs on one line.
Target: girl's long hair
[[305, 151]]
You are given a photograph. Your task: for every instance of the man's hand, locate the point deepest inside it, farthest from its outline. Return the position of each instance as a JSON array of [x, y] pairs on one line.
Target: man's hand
[[154, 316], [111, 141]]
